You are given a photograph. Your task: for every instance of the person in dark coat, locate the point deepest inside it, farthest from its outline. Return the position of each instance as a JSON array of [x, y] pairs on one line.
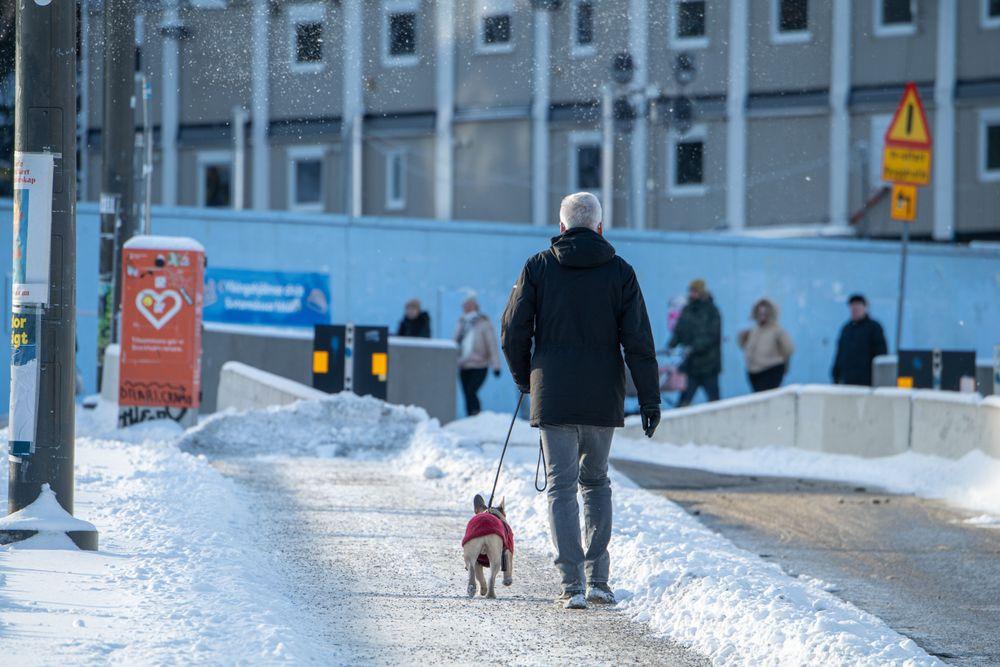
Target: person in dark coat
[[860, 341], [699, 330], [416, 323], [574, 309]]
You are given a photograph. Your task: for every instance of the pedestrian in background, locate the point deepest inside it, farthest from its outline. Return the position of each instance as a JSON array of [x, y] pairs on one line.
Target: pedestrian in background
[[416, 323], [478, 352], [766, 346], [861, 340], [699, 330]]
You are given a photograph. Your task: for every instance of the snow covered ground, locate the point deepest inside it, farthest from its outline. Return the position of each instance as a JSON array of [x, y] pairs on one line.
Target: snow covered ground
[[181, 578]]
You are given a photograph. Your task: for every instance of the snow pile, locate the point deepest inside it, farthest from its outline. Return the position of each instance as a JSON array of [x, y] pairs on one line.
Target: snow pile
[[972, 482], [341, 425], [673, 573], [44, 515], [178, 577]]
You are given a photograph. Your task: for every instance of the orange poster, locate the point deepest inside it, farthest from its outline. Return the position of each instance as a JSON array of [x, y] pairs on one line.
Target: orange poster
[[162, 300]]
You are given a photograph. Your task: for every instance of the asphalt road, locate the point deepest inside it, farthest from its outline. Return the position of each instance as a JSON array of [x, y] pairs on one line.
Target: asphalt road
[[909, 561], [376, 555]]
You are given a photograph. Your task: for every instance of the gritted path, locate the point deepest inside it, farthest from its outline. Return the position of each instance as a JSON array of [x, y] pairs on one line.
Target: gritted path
[[377, 556], [909, 561]]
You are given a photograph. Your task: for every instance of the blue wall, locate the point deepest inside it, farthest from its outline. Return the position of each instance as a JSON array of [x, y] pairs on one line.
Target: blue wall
[[376, 264]]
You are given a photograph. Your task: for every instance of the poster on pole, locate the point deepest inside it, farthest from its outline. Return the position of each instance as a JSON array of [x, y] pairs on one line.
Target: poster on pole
[[24, 378], [33, 174]]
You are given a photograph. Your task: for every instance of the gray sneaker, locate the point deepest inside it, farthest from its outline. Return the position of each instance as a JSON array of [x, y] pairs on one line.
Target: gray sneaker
[[574, 600], [601, 594]]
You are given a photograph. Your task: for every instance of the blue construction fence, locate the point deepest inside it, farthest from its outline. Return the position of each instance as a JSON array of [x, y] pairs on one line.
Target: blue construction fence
[[375, 264]]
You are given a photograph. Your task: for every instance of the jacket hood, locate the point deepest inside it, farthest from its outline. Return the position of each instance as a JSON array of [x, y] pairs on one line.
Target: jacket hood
[[770, 306], [581, 248]]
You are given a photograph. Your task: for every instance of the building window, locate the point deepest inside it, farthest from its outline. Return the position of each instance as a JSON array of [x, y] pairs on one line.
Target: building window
[[789, 21], [395, 179], [876, 144], [686, 163], [687, 24], [894, 18], [582, 28], [399, 34], [305, 37], [990, 16], [215, 179], [305, 178], [585, 161], [494, 35], [989, 145]]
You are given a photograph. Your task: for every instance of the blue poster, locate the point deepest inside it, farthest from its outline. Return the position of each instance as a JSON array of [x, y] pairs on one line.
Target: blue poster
[[272, 298]]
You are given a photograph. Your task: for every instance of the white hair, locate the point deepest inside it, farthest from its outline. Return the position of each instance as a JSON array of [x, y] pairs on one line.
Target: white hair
[[581, 209]]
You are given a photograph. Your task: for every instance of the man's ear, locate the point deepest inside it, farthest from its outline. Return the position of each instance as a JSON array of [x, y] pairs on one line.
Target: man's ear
[[478, 504], [562, 228], [600, 228]]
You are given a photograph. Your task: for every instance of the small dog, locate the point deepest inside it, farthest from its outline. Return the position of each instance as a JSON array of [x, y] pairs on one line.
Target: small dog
[[489, 542]]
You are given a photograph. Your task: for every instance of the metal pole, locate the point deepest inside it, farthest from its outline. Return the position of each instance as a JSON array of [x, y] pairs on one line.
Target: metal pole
[[117, 205], [147, 164], [239, 157], [607, 156], [902, 284], [45, 122]]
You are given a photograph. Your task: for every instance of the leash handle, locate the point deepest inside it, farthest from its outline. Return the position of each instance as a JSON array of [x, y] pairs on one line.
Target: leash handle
[[496, 478], [541, 464]]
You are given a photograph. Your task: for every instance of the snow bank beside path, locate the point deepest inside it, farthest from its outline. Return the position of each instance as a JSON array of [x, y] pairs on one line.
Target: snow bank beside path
[[684, 580], [341, 425], [178, 578], [971, 482]]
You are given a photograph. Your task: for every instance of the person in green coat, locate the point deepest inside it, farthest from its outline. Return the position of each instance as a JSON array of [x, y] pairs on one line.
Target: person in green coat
[[699, 330]]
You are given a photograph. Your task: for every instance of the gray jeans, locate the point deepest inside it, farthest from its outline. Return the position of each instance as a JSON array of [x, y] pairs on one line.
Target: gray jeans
[[577, 456]]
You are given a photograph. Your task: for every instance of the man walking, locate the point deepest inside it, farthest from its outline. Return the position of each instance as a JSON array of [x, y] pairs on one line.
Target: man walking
[[861, 340], [699, 329], [581, 306]]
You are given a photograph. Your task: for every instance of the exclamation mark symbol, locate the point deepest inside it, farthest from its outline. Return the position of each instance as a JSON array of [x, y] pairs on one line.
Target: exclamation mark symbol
[[909, 119]]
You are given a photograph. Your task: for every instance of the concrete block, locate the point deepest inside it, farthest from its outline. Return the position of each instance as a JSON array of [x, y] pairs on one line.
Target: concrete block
[[852, 420], [946, 424], [422, 372], [109, 374], [766, 419], [244, 387], [989, 420]]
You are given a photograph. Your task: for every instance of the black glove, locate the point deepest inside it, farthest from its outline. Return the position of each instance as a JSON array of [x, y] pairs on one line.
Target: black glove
[[496, 372], [650, 419], [524, 390]]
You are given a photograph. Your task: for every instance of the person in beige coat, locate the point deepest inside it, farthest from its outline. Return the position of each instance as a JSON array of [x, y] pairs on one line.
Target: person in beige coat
[[478, 352], [766, 346]]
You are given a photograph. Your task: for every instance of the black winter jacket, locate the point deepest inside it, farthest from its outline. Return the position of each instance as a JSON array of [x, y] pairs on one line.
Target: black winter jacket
[[700, 328], [418, 327], [581, 306], [859, 343]]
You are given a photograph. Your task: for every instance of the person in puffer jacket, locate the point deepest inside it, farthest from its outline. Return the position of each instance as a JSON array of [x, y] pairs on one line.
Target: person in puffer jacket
[[478, 353]]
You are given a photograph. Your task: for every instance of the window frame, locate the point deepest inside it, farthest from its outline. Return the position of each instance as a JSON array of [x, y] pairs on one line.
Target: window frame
[[880, 29], [673, 189], [485, 9], [675, 41], [878, 125], [791, 36], [294, 155], [987, 117], [576, 49], [394, 203], [987, 22], [299, 14], [206, 159], [390, 7], [576, 139]]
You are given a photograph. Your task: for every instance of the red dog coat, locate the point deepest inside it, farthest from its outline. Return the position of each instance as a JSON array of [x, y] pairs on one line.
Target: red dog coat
[[484, 524]]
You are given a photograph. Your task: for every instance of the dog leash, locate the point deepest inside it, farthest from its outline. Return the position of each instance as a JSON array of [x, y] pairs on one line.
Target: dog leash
[[503, 452]]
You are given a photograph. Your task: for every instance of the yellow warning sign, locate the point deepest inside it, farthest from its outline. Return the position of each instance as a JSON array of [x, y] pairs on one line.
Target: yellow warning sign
[[909, 124], [906, 165], [904, 202]]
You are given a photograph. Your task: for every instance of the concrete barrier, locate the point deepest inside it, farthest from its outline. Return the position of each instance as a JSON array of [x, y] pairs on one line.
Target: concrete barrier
[[422, 372], [852, 420], [841, 420], [109, 374], [244, 387]]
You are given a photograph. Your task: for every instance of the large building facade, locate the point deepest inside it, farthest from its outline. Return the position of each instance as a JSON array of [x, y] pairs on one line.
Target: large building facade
[[724, 115]]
